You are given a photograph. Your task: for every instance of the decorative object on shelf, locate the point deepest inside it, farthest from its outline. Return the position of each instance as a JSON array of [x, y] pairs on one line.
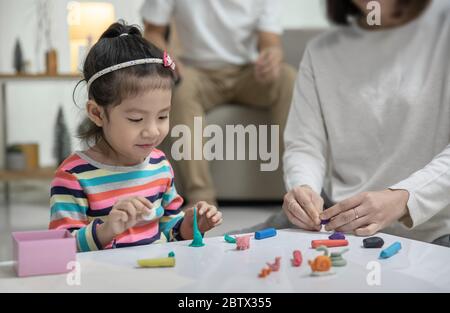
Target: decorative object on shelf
[[63, 146], [51, 62], [19, 64], [15, 158], [31, 152], [44, 36]]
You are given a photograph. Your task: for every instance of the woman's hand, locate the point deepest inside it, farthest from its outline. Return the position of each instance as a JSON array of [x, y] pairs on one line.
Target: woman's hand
[[302, 205], [368, 212]]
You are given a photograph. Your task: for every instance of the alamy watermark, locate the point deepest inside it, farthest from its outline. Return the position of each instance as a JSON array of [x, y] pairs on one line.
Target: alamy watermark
[[229, 145], [373, 278], [374, 16], [73, 278]]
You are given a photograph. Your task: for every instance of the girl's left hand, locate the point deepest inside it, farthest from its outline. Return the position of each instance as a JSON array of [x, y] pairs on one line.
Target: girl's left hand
[[368, 212], [208, 216]]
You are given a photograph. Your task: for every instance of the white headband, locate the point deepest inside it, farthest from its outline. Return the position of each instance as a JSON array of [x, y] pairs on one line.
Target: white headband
[[166, 62]]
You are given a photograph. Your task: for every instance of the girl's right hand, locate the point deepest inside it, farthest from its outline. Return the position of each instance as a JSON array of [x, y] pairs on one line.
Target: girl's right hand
[[302, 206], [126, 213]]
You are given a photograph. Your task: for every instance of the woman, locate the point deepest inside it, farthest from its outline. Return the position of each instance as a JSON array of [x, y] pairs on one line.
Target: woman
[[370, 123]]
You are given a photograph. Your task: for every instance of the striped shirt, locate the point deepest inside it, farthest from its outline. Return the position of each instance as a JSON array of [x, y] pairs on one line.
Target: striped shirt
[[84, 191]]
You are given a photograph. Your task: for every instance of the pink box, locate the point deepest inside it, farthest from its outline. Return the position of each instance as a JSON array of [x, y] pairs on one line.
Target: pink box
[[43, 252]]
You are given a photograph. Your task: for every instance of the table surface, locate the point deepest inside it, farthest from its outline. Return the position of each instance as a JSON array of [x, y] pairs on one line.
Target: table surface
[[219, 267]]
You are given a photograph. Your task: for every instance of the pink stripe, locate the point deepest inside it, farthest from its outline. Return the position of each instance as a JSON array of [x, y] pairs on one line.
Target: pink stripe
[[74, 164], [72, 184], [99, 205], [152, 231], [156, 153], [175, 204]]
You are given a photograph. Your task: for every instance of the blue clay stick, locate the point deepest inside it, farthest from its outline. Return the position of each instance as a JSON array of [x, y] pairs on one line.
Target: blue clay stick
[[391, 250], [265, 233]]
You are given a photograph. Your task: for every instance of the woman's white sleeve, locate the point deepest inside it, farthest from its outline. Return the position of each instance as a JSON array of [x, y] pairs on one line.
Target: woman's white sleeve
[[305, 157]]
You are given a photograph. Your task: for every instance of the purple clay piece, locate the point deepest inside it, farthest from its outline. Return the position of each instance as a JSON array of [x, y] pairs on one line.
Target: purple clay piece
[[324, 222], [336, 236]]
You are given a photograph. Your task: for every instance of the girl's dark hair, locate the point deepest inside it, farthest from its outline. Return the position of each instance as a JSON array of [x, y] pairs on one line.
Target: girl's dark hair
[[338, 11], [112, 88]]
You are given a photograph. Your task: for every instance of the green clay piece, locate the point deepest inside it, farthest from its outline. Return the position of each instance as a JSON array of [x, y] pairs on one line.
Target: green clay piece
[[229, 239], [337, 260], [198, 239], [339, 263], [324, 249], [171, 254]]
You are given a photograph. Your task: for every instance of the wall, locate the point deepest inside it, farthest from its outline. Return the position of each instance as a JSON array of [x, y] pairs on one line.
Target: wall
[[18, 20], [40, 101]]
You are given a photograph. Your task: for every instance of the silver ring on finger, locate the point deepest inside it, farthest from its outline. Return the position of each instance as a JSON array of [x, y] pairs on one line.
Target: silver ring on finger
[[356, 213]]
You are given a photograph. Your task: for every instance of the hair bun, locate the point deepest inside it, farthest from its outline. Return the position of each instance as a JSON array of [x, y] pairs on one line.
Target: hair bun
[[119, 28]]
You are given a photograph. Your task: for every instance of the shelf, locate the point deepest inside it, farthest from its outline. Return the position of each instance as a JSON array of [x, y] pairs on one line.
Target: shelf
[[68, 76], [41, 173]]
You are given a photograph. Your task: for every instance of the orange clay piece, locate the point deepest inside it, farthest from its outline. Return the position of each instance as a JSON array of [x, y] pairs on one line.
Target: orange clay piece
[[322, 263], [329, 243], [265, 272]]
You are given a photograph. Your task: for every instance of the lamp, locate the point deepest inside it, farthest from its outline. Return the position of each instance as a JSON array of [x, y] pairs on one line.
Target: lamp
[[87, 21]]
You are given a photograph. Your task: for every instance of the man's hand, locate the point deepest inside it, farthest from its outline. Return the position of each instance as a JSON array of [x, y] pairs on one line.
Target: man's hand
[[268, 65]]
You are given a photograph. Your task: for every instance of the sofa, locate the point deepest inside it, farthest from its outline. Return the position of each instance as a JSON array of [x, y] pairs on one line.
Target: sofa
[[242, 181]]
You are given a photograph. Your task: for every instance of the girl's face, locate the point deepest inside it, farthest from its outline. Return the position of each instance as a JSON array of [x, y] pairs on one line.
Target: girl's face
[[137, 125]]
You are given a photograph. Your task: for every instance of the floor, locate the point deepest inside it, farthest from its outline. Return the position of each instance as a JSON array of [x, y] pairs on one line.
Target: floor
[[29, 211]]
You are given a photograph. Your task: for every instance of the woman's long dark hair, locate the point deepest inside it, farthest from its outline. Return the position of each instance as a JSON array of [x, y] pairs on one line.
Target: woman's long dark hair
[[339, 11]]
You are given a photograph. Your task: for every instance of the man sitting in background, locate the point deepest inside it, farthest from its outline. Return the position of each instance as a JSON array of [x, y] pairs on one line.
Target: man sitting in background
[[231, 52]]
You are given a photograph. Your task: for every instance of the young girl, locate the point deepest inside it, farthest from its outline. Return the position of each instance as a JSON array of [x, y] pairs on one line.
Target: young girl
[[120, 192]]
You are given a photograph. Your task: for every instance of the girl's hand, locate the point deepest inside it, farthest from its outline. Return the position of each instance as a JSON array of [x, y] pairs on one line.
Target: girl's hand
[[368, 212], [302, 206], [208, 216], [126, 213]]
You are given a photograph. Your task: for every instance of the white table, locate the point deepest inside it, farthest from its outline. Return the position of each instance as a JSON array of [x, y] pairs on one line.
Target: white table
[[219, 267]]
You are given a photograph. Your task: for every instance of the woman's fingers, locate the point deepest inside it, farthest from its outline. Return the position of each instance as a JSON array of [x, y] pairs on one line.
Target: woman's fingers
[[355, 224], [301, 214], [304, 200], [297, 222], [295, 213], [368, 230], [342, 206]]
